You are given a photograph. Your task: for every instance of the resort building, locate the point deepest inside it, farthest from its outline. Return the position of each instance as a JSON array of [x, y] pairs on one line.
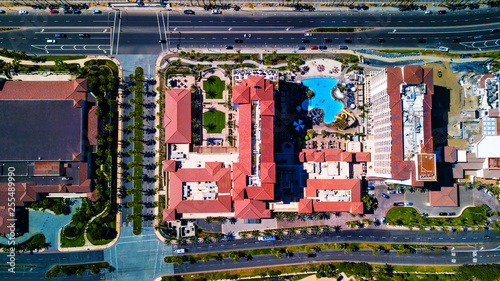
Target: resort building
[[402, 135], [49, 131]]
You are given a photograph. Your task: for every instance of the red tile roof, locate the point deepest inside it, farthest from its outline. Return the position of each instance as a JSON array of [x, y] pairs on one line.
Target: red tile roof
[[305, 206], [92, 126], [240, 175], [413, 74], [446, 197], [177, 118], [245, 136], [251, 209], [44, 90], [267, 107], [354, 185], [263, 193], [450, 154], [213, 171], [238, 194], [319, 156], [302, 156], [347, 156], [268, 172], [362, 157], [93, 196], [253, 88], [169, 166], [267, 138], [309, 154], [333, 154], [241, 93], [401, 169], [168, 214]]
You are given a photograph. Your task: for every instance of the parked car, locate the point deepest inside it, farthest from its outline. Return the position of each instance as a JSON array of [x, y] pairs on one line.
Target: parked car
[[428, 12], [216, 12], [314, 47], [96, 12], [66, 11], [383, 220], [161, 41], [84, 35], [381, 40], [385, 195], [270, 238], [392, 192], [180, 251], [308, 34], [229, 47], [343, 47], [302, 48], [444, 49], [421, 41], [60, 35], [23, 12], [452, 214], [323, 47], [399, 203], [327, 40], [2, 12], [442, 12], [77, 12], [54, 11], [189, 12], [408, 203]]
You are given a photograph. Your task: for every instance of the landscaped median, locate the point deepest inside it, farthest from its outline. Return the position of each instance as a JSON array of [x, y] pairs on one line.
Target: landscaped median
[[471, 217], [138, 135], [279, 252], [77, 269]]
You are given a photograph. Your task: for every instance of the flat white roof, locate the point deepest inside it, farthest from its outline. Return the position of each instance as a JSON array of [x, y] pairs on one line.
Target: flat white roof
[[461, 156], [488, 147]]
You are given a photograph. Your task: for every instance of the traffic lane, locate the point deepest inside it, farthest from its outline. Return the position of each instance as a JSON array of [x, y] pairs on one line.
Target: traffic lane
[[44, 19], [336, 19], [358, 235], [420, 257]]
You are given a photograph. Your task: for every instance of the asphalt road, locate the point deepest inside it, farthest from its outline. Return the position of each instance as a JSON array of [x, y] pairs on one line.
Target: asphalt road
[[139, 32]]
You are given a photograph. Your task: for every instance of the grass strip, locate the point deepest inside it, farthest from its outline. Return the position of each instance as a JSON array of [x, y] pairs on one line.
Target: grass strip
[[137, 222], [77, 269]]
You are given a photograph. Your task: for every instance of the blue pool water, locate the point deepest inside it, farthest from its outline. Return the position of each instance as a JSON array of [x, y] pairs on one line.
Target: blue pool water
[[322, 88]]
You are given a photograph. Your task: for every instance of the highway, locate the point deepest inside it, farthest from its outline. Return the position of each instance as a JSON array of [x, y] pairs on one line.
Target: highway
[[139, 32]]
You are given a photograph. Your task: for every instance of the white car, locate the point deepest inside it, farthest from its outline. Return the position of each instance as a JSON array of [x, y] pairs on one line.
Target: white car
[[216, 12], [23, 12], [51, 41], [308, 35], [428, 12], [247, 35], [96, 11]]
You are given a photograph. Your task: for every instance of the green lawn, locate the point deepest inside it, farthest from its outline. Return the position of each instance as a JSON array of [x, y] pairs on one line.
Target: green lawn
[[79, 241], [472, 216], [54, 58], [214, 90], [214, 121], [56, 269]]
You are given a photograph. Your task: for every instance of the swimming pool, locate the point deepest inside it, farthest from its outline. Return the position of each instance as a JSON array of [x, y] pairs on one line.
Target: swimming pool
[[322, 88]]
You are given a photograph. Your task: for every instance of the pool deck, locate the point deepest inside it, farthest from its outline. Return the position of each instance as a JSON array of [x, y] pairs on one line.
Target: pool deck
[[328, 64]]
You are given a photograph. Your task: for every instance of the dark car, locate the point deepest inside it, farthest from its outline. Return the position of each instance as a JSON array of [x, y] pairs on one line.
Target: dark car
[[421, 41], [60, 35], [323, 47], [385, 195], [2, 12], [229, 47], [327, 40], [347, 41], [457, 40], [77, 12], [442, 12], [494, 30], [302, 48], [443, 214], [452, 214], [399, 203], [189, 12], [84, 35], [392, 191], [238, 41], [381, 40], [306, 41], [161, 41], [66, 12], [343, 47]]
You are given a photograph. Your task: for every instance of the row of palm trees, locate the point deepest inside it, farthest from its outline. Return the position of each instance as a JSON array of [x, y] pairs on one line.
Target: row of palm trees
[[290, 216], [195, 240], [291, 232]]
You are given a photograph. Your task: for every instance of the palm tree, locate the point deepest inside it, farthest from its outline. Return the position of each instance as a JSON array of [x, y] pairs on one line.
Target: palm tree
[[316, 230], [279, 233], [304, 231], [327, 230], [291, 216], [206, 239], [268, 233], [279, 216], [243, 235], [211, 80], [292, 232], [210, 127], [193, 240], [195, 138], [337, 228], [210, 94], [195, 123], [255, 234]]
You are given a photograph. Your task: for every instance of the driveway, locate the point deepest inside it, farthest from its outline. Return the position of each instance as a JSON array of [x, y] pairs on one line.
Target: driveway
[[421, 202]]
